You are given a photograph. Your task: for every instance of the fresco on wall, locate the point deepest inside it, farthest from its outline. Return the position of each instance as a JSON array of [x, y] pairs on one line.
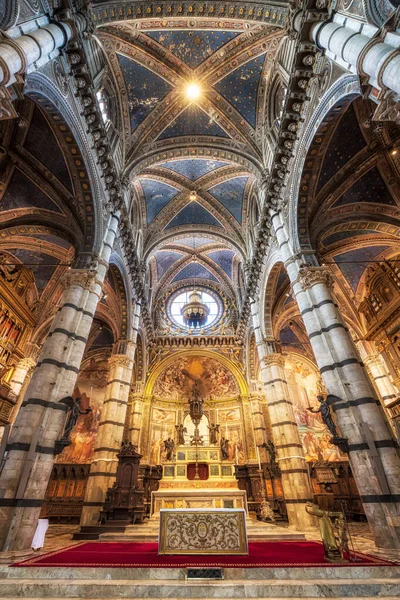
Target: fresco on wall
[[303, 384], [230, 422], [162, 427], [91, 387], [214, 380], [315, 437]]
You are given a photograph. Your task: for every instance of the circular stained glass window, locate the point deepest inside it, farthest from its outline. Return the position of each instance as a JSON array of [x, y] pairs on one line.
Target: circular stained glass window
[[181, 299]]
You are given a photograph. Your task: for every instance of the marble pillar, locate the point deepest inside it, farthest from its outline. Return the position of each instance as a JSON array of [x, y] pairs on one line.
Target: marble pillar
[[258, 419], [18, 381], [373, 452], [145, 433], [249, 441], [41, 419], [110, 434], [376, 367], [290, 456], [356, 46], [136, 416]]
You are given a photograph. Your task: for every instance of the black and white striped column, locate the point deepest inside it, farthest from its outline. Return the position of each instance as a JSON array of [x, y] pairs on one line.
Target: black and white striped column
[[41, 419], [110, 434], [372, 450], [377, 370], [285, 432], [22, 371], [137, 407]]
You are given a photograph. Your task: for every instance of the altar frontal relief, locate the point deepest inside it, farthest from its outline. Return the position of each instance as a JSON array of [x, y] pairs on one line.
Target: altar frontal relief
[[214, 379], [203, 532]]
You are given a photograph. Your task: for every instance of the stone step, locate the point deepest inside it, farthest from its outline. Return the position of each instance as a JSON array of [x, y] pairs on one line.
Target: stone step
[[300, 588], [294, 598], [127, 574]]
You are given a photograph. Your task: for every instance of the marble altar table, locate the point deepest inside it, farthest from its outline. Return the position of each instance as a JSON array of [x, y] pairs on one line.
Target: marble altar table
[[196, 498], [202, 531]]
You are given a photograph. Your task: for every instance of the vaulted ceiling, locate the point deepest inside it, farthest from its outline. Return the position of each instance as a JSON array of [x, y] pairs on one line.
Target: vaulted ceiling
[[192, 164]]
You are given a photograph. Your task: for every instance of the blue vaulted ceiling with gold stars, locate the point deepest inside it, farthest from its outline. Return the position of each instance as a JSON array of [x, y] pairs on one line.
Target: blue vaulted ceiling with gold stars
[[192, 161]]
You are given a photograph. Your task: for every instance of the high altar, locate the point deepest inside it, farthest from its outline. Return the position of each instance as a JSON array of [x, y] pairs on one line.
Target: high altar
[[177, 490], [198, 474]]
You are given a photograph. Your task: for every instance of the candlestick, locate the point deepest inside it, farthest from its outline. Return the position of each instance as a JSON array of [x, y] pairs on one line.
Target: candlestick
[[259, 459], [226, 431], [217, 418], [237, 455]]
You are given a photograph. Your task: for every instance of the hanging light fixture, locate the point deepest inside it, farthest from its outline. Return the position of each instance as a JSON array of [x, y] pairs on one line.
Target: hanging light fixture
[[195, 312]]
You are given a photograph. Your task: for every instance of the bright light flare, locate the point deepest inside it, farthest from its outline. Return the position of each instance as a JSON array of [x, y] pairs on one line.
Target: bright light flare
[[193, 91]]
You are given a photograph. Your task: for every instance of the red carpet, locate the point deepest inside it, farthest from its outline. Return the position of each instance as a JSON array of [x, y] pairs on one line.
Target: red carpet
[[128, 554]]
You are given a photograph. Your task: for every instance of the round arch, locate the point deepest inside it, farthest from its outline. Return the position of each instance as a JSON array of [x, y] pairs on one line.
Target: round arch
[[44, 92], [153, 375], [343, 91]]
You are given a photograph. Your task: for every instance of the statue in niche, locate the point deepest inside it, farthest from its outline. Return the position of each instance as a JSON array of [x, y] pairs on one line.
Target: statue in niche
[[223, 444], [181, 430], [326, 415], [169, 447], [214, 429], [72, 419]]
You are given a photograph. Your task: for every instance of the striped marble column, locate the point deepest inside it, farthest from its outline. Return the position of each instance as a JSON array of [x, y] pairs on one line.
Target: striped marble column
[[248, 422], [258, 419], [377, 370], [290, 455], [285, 432], [41, 419], [19, 381], [136, 419], [373, 453], [110, 434]]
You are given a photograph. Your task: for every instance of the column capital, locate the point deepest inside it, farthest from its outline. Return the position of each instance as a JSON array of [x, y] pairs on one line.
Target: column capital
[[370, 359], [81, 277], [32, 351], [275, 358], [310, 276], [26, 363], [120, 360]]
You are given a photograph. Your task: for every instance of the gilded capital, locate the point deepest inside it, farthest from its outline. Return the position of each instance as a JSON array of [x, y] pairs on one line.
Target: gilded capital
[[310, 276]]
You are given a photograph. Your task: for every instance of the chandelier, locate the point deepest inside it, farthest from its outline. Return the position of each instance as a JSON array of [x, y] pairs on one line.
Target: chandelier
[[195, 312]]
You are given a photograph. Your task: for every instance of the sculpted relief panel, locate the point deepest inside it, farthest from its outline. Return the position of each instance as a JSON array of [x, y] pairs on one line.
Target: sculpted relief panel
[[214, 379]]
